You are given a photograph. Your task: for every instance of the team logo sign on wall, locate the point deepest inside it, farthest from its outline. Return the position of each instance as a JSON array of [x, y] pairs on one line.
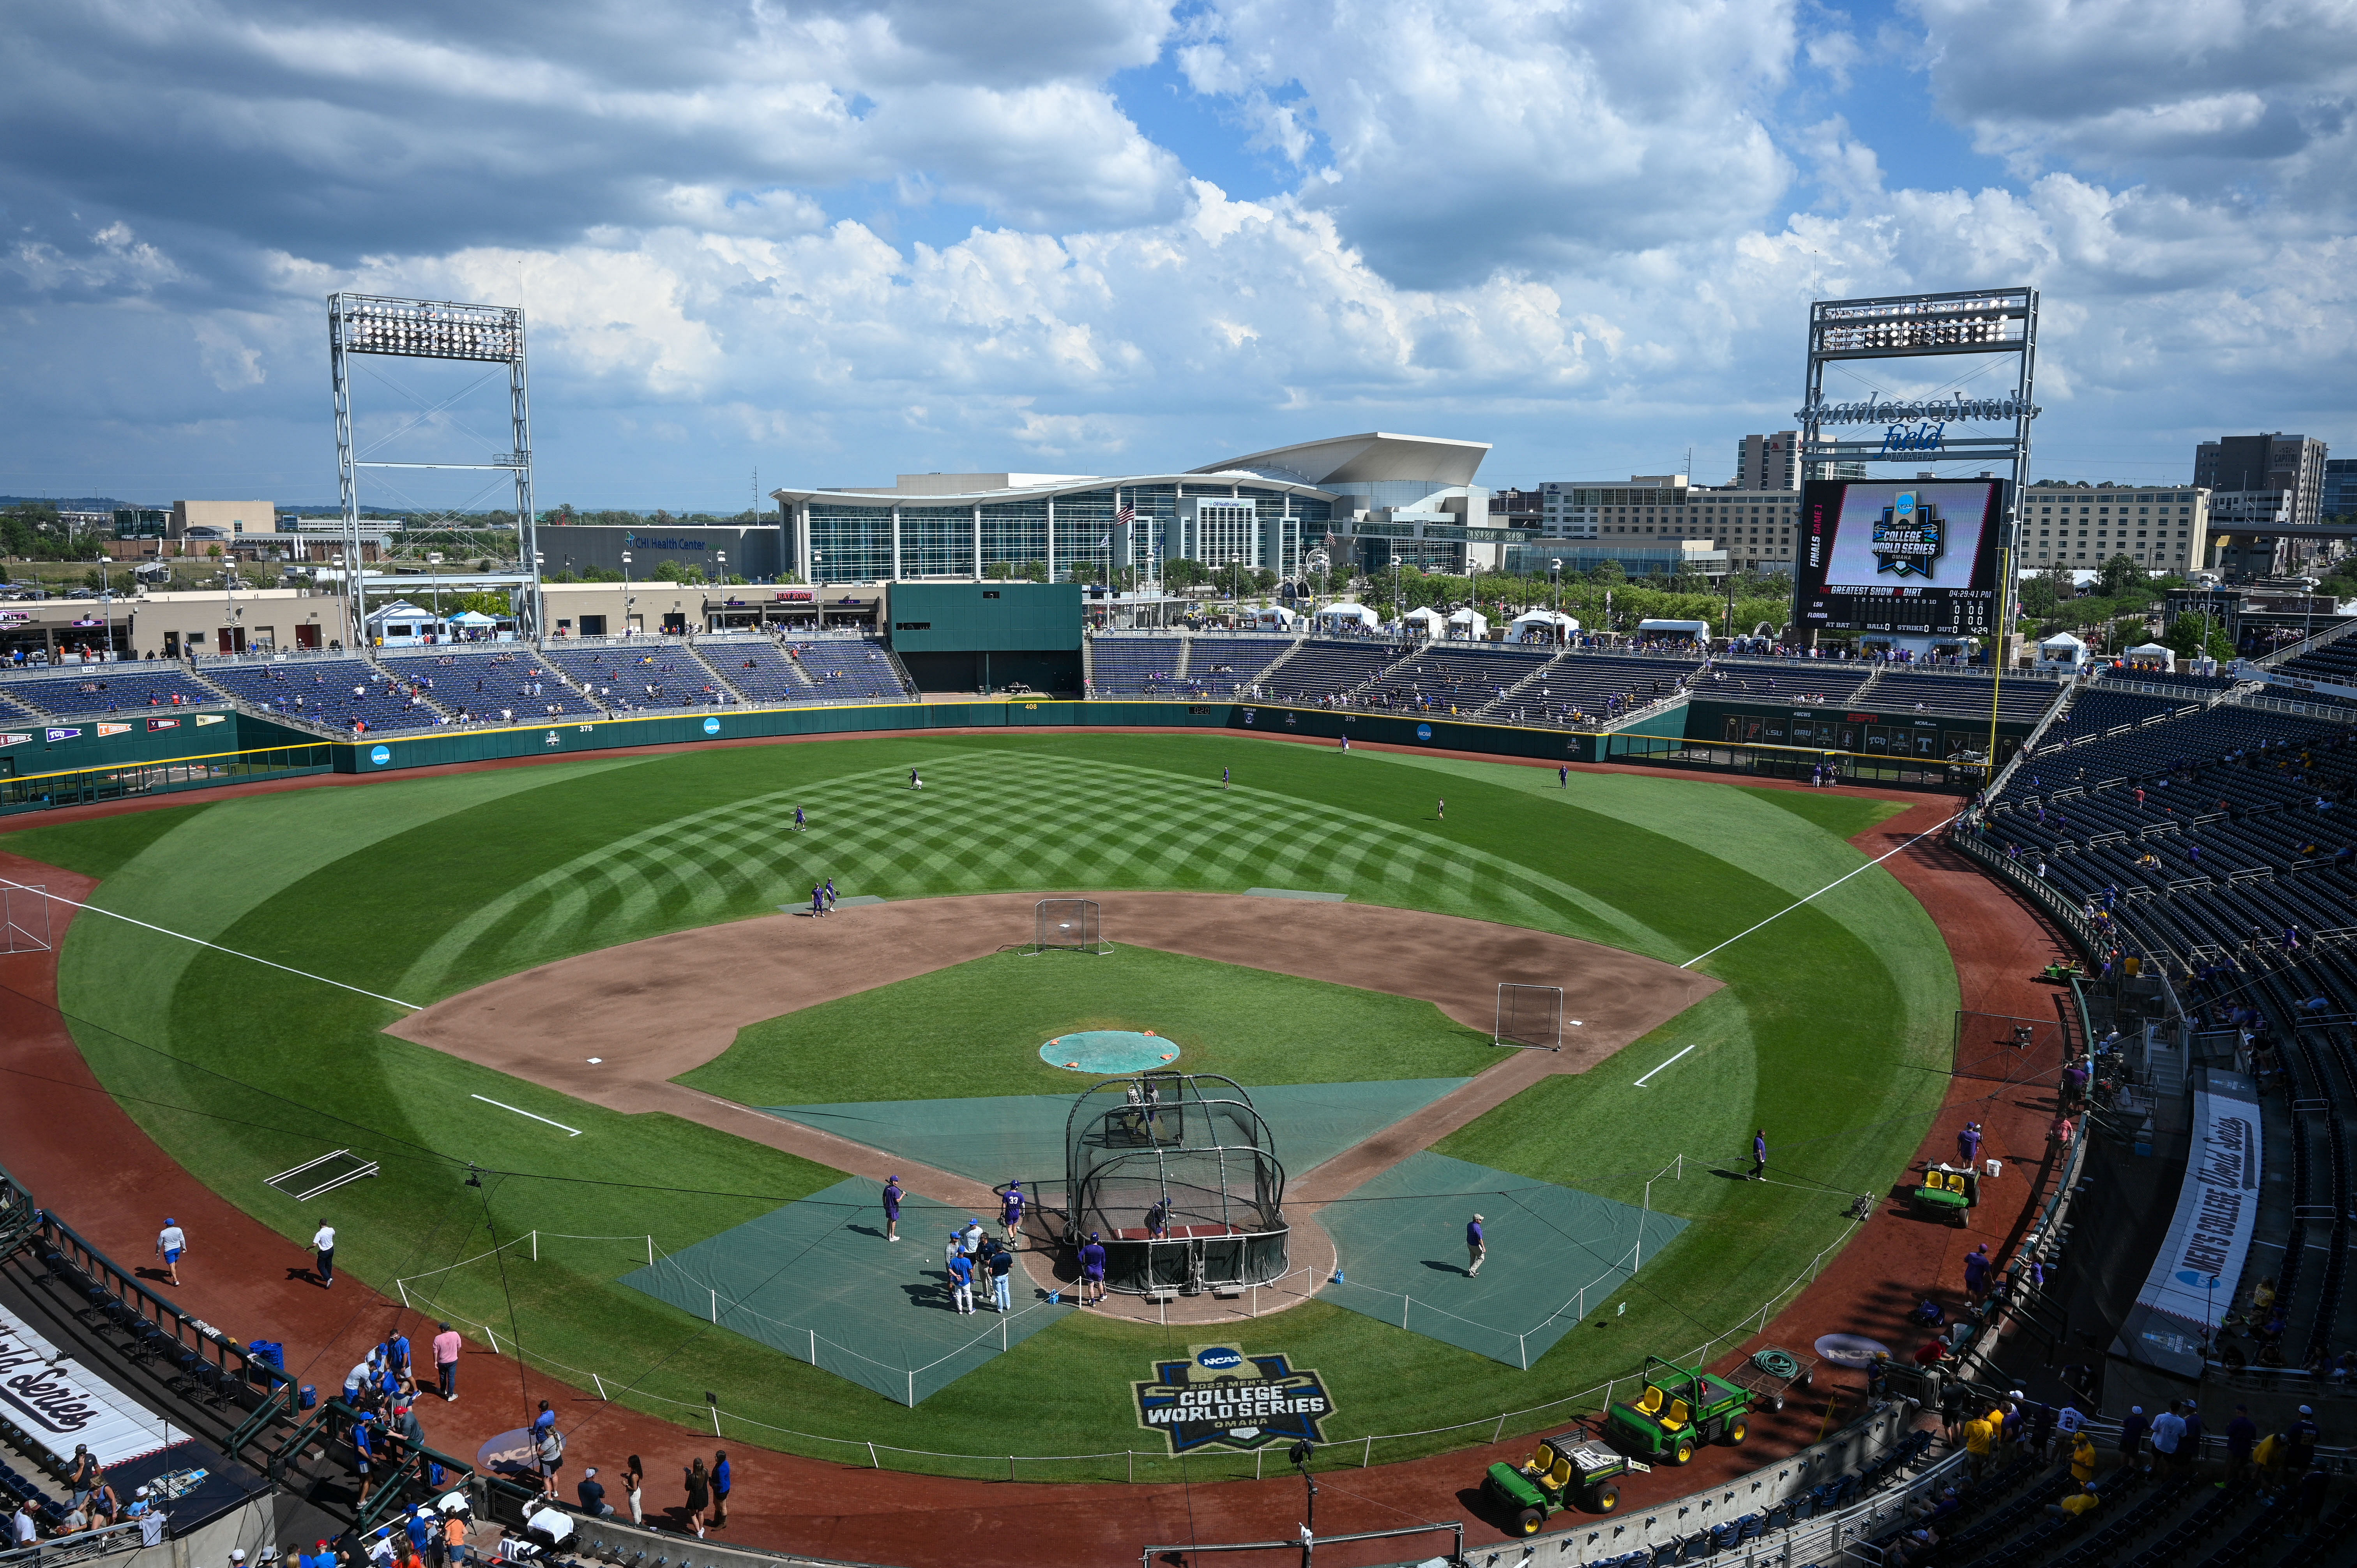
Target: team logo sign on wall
[[1220, 1395]]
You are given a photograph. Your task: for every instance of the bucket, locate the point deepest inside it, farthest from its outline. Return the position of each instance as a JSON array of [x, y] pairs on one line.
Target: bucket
[[1996, 1170], [308, 1397]]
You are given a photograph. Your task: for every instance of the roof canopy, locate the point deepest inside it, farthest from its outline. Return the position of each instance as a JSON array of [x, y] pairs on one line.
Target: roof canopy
[[1372, 455]]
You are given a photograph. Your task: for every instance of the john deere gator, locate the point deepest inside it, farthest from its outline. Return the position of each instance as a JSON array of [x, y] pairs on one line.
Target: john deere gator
[[1567, 1467], [1678, 1410]]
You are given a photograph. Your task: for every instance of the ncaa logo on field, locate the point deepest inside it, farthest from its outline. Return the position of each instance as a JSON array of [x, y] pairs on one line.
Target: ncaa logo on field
[[1423, 732], [1220, 1395], [381, 756], [712, 726]]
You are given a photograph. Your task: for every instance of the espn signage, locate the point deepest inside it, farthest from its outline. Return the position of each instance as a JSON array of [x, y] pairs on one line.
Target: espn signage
[[1882, 556]]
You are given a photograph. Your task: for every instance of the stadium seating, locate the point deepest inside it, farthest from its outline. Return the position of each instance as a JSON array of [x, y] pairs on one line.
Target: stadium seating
[[763, 676], [1594, 688], [2098, 711], [1139, 666], [1463, 679], [2335, 661], [1801, 681], [850, 670], [482, 681], [640, 674], [1222, 666], [109, 688], [332, 692], [1322, 671], [2022, 700], [2235, 876]]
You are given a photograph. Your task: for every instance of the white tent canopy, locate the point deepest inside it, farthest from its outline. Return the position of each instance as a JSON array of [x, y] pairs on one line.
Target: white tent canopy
[[472, 618], [1425, 620], [1469, 623], [2062, 648], [1347, 614], [2152, 653], [1538, 625]]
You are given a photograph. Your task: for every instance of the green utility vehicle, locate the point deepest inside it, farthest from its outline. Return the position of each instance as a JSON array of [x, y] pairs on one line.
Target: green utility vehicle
[[1946, 1195], [1567, 1467], [1679, 1409]]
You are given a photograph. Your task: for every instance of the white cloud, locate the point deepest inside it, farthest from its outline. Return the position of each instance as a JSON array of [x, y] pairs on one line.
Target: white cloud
[[1566, 225]]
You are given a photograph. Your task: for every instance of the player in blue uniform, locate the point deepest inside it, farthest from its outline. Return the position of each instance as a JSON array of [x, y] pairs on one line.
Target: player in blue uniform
[[1010, 1213], [1092, 1272]]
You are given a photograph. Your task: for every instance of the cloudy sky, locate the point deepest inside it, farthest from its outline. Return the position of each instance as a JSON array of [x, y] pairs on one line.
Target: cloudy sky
[[836, 241]]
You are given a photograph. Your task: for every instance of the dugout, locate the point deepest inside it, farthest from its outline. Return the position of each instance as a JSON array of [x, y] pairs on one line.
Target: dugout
[[982, 636], [1177, 1174]]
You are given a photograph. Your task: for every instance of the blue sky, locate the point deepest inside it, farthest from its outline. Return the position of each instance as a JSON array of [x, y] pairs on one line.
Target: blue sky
[[838, 241]]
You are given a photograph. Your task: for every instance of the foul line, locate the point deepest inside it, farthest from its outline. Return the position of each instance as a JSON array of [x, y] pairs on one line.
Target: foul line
[[522, 1111], [1828, 887], [233, 952], [1641, 1082]]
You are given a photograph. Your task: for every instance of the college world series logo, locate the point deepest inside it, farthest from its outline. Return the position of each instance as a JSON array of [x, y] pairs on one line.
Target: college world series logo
[[1219, 1394], [1908, 537]]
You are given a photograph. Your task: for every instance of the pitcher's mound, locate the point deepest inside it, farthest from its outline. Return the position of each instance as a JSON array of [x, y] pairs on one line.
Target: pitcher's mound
[[1105, 1052]]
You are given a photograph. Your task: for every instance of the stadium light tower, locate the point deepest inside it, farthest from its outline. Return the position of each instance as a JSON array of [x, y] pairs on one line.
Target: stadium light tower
[[434, 329], [1915, 430]]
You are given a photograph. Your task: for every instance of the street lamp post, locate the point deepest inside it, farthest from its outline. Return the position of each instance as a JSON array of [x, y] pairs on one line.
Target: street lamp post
[[106, 607], [433, 569], [627, 600]]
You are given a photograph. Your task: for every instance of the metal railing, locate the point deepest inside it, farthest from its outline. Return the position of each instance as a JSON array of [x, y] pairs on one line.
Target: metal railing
[[74, 1548], [83, 786]]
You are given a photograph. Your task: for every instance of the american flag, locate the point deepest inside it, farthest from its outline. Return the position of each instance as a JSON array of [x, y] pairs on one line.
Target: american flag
[[1126, 516]]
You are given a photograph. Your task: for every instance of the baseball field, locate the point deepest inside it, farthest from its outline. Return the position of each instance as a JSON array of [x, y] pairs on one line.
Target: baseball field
[[241, 1012]]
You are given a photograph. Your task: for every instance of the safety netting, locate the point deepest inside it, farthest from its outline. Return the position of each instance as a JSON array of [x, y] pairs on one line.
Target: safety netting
[[818, 1281], [1175, 1174], [1554, 1255]]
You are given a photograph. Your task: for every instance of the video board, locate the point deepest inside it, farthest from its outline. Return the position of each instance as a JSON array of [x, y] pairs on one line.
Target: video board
[[1914, 556]]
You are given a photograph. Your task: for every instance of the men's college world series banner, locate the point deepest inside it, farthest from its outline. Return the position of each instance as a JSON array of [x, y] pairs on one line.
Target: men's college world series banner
[[2192, 1279], [1219, 1394], [58, 1403]]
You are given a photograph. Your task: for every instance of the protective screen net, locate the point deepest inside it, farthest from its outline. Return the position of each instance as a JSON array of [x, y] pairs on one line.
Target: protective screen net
[[1178, 1176]]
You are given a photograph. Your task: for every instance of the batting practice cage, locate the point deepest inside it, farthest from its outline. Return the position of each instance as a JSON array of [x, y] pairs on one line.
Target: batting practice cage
[[1068, 925], [1177, 1176]]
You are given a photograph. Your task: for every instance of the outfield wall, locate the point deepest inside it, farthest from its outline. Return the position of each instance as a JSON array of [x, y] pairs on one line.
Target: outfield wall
[[73, 764]]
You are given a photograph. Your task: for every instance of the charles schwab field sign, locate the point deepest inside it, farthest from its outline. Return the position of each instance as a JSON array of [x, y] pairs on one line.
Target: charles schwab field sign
[[1219, 1394]]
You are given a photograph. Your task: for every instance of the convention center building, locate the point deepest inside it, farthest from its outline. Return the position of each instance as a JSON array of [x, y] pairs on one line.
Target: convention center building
[[1366, 499]]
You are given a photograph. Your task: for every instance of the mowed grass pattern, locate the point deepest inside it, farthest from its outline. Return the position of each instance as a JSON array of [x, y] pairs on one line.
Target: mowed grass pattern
[[419, 887]]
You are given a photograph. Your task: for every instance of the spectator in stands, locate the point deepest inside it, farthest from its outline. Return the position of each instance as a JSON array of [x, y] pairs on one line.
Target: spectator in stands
[[2132, 1427], [2241, 1435], [28, 1524], [2168, 1434], [2303, 1435], [2079, 1504], [593, 1495], [1980, 1441]]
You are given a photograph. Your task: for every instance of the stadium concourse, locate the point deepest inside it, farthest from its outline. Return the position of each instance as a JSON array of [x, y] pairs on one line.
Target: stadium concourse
[[240, 1272]]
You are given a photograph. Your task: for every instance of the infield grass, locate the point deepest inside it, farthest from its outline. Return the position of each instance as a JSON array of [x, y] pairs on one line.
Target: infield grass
[[975, 1028], [420, 889]]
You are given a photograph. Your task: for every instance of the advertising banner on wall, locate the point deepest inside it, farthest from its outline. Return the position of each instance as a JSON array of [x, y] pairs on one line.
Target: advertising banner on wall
[[2193, 1275], [60, 1403]]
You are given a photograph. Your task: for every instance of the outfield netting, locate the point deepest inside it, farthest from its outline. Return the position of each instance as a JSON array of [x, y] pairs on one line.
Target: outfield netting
[[1176, 1175], [2004, 1049]]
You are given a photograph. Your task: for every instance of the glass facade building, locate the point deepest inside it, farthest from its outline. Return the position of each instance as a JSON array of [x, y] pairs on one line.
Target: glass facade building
[[1262, 513]]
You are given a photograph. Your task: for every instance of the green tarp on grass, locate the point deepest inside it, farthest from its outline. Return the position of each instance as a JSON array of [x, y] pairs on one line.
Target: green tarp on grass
[[1554, 1255], [996, 1139], [817, 1280]]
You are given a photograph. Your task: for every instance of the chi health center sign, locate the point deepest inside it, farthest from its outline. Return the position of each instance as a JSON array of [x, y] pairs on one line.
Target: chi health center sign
[[1221, 1395]]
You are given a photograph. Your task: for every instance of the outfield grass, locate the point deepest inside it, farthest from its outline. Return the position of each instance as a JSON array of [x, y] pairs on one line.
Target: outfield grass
[[420, 889], [975, 1028]]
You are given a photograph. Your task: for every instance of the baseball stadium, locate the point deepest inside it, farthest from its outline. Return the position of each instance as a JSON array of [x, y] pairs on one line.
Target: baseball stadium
[[1324, 1088]]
